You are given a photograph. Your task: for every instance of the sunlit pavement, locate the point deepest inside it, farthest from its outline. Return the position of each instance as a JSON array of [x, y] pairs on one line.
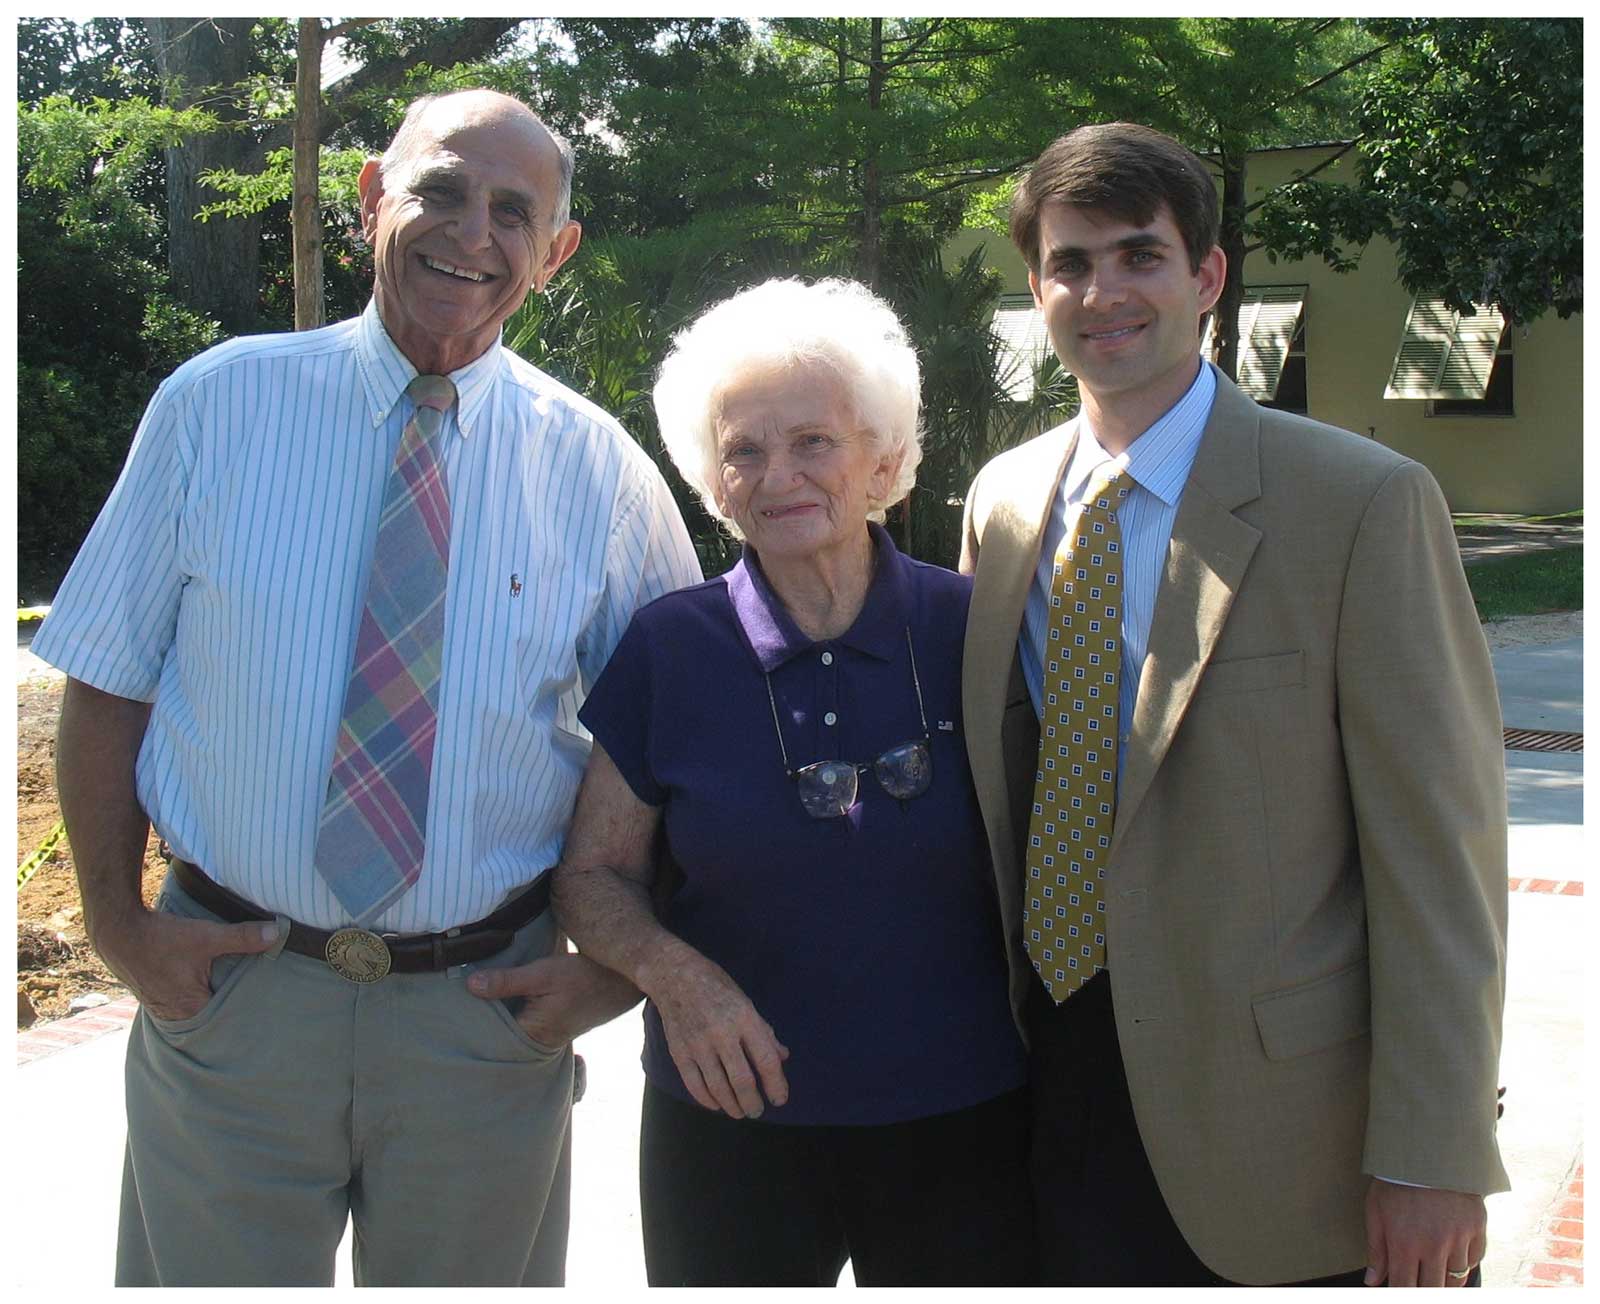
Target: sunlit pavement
[[68, 1128]]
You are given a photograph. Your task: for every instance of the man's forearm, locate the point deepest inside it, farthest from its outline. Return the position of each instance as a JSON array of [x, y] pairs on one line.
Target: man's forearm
[[96, 747]]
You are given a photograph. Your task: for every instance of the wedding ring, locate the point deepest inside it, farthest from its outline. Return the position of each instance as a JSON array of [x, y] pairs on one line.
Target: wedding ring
[[1462, 1275]]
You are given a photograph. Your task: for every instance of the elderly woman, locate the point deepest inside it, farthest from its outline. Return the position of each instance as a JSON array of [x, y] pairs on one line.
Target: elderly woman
[[832, 1070]]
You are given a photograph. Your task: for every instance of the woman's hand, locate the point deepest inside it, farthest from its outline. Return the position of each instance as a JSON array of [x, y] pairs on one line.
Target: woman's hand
[[726, 1052]]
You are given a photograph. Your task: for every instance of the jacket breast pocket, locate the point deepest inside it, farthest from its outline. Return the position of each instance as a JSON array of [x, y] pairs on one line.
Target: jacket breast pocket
[[1315, 1015], [1253, 674]]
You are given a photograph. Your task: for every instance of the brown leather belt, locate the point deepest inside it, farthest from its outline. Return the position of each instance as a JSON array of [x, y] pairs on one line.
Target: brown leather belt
[[364, 956]]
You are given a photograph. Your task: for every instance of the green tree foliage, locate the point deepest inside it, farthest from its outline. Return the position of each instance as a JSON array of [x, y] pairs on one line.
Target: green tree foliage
[[713, 153], [626, 93], [1222, 86], [967, 415], [720, 154], [832, 135], [100, 321], [1471, 141], [94, 153], [101, 57], [250, 192], [96, 325]]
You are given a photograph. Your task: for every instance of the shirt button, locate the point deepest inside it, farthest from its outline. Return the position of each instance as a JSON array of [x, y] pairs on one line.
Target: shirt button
[[827, 658], [830, 718]]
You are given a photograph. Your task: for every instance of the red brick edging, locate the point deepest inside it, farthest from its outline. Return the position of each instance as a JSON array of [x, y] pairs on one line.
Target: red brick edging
[[47, 1039], [1553, 886], [1558, 1260]]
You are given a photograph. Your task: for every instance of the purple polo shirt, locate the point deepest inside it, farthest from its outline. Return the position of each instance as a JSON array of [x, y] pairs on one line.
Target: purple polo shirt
[[871, 943]]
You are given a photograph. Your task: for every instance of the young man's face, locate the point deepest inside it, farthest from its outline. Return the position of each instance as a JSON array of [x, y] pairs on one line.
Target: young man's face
[[1120, 302], [462, 231]]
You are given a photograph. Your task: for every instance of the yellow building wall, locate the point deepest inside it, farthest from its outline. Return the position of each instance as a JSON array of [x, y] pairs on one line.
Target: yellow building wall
[[1529, 462]]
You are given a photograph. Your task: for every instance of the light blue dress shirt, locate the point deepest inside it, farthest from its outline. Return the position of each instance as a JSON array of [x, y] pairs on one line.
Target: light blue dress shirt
[[225, 577], [1158, 462]]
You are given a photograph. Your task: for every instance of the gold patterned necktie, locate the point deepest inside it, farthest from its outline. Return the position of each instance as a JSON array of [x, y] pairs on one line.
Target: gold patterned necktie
[[1075, 788]]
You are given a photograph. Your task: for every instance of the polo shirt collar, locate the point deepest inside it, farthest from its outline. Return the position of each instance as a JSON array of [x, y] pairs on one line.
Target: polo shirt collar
[[1159, 460], [773, 636], [385, 372]]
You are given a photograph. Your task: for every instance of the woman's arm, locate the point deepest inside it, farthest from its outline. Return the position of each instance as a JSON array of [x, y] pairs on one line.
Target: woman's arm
[[727, 1053]]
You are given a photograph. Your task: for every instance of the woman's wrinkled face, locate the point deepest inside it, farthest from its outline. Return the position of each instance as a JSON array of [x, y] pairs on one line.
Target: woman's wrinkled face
[[797, 472]]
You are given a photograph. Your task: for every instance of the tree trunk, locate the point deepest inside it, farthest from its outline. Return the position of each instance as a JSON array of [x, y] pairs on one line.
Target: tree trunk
[[1231, 238], [869, 260], [308, 303], [840, 95], [215, 264]]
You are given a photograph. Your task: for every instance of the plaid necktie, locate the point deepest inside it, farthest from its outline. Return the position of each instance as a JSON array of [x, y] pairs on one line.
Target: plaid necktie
[[373, 827], [1075, 788]]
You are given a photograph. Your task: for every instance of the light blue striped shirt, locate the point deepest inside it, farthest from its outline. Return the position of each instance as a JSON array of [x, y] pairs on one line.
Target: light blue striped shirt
[[225, 577], [1159, 462]]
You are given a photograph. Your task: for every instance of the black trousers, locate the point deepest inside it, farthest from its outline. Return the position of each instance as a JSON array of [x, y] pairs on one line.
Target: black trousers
[[1101, 1218], [939, 1201]]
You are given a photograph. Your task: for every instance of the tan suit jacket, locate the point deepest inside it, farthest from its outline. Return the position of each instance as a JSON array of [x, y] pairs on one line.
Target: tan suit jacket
[[1306, 902]]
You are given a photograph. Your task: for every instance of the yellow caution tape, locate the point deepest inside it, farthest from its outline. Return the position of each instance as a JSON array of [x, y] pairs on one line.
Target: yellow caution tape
[[26, 869], [25, 614]]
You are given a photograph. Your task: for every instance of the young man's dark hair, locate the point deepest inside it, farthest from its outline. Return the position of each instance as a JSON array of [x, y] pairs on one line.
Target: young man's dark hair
[[1127, 170]]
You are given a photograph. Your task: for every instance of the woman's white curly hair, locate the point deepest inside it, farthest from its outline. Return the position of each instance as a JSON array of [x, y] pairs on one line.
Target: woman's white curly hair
[[837, 325]]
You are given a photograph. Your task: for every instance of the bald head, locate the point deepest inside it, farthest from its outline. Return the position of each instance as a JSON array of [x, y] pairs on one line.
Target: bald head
[[466, 215], [433, 116]]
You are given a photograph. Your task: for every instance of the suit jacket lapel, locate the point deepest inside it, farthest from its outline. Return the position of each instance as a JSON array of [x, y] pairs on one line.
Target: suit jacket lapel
[[1206, 560], [1008, 555]]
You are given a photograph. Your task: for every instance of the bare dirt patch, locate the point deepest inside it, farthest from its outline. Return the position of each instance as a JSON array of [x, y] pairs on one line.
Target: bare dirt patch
[[55, 962]]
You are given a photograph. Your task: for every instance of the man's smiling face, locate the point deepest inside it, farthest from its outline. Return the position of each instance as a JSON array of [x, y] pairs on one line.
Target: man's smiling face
[[460, 229], [1121, 302]]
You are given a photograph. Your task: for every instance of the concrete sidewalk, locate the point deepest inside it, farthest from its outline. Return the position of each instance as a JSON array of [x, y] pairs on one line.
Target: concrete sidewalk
[[1542, 1062], [68, 1129]]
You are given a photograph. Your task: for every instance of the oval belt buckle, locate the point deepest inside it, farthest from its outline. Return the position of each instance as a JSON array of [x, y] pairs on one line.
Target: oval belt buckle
[[358, 955]]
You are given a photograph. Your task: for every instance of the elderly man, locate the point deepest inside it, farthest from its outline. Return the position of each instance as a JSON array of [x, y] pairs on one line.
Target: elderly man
[[330, 635], [1234, 732]]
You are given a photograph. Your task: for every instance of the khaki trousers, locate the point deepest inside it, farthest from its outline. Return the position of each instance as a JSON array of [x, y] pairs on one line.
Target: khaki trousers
[[295, 1100]]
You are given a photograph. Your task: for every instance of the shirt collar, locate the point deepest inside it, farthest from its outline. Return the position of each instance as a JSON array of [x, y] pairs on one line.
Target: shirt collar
[[773, 636], [385, 371], [1159, 460]]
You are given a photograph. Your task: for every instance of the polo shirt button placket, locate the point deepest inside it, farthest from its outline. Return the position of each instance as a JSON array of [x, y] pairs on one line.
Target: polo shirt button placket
[[828, 698]]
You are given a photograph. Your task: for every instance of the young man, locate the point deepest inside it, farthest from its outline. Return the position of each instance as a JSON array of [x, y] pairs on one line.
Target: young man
[[327, 551], [1235, 734]]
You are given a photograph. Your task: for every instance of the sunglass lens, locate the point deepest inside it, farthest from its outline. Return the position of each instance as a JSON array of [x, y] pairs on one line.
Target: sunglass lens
[[827, 789], [905, 771]]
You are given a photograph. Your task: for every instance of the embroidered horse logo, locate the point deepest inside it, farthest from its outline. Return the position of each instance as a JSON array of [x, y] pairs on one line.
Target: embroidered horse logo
[[516, 585]]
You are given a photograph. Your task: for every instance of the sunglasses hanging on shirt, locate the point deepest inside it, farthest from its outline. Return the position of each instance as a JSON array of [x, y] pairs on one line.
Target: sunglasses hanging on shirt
[[828, 789]]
